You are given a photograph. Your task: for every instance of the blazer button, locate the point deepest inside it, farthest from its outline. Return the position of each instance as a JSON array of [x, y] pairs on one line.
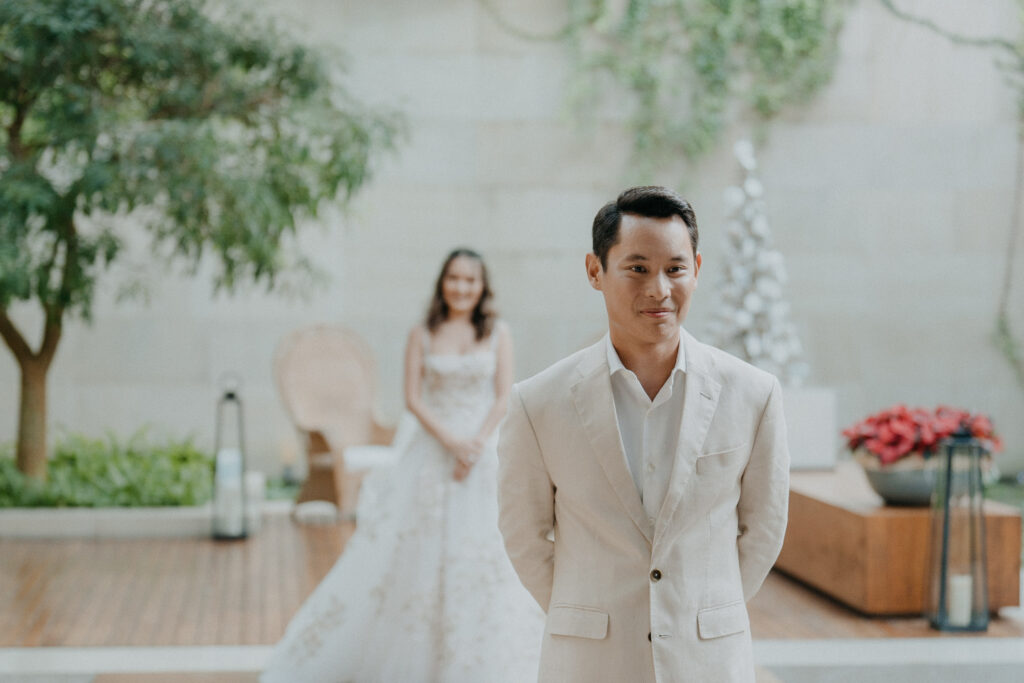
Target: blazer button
[[648, 636], [655, 575]]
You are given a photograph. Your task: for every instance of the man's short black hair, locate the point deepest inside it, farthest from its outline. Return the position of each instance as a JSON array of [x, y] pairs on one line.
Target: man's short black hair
[[651, 201]]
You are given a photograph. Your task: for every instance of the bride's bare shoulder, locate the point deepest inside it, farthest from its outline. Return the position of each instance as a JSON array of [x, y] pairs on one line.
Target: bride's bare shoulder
[[419, 335]]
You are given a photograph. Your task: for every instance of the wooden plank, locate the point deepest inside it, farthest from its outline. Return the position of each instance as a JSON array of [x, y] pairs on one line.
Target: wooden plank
[[207, 609], [290, 580], [235, 595], [91, 589], [96, 588], [12, 554], [177, 565], [30, 600], [271, 618], [110, 625], [62, 596], [896, 547], [1003, 540], [251, 596], [189, 625], [140, 588], [152, 588], [110, 560]]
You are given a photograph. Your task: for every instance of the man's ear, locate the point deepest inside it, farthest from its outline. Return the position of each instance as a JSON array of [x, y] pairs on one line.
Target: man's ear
[[696, 265], [594, 271]]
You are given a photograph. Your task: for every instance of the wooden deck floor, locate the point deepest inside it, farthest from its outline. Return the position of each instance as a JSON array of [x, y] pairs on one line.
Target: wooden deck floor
[[162, 592], [201, 592]]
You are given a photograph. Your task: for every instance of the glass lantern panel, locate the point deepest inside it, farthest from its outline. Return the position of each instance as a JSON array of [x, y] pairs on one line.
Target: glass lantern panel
[[958, 596]]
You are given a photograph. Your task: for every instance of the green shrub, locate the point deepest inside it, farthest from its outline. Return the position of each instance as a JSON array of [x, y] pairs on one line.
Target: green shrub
[[280, 489], [88, 472]]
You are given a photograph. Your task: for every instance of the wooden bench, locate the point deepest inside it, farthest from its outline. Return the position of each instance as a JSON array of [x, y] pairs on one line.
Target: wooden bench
[[844, 541]]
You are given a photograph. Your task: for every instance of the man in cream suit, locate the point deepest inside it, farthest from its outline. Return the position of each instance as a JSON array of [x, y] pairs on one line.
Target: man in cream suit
[[644, 480]]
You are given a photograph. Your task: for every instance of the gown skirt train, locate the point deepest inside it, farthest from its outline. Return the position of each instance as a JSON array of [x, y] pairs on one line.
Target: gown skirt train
[[423, 592]]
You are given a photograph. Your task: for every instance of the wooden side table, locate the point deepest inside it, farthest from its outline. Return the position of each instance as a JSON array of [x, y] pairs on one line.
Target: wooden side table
[[844, 541]]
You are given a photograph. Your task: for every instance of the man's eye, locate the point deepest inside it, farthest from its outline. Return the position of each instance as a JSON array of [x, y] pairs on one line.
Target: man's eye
[[638, 269], [677, 269]]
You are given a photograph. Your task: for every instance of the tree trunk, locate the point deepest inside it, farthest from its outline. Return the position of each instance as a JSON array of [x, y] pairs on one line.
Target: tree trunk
[[31, 452]]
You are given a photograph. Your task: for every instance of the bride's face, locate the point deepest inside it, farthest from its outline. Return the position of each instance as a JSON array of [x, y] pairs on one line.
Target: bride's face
[[463, 284]]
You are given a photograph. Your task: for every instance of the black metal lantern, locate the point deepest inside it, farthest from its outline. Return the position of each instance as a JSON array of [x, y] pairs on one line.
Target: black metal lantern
[[958, 590], [229, 519]]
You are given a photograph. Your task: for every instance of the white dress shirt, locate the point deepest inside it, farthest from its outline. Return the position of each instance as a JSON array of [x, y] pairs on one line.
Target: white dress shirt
[[649, 429]]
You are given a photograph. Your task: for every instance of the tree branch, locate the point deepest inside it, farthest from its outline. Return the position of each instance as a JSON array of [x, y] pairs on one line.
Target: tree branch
[[52, 331], [53, 326], [53, 260], [14, 133], [998, 43], [530, 35], [14, 339], [1003, 336], [1011, 247]]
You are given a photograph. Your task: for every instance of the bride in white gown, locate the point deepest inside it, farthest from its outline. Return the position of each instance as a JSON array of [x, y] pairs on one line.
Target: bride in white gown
[[423, 592]]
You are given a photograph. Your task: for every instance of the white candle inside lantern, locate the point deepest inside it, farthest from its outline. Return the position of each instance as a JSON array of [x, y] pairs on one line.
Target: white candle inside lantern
[[228, 511], [959, 596]]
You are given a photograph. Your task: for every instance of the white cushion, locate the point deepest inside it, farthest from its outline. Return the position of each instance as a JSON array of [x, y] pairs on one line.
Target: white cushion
[[359, 458]]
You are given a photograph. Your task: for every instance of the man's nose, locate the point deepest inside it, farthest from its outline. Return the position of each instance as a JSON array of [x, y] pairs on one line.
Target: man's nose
[[658, 286]]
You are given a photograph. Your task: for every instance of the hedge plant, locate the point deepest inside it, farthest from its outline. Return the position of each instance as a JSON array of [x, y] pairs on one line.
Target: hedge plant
[[89, 472]]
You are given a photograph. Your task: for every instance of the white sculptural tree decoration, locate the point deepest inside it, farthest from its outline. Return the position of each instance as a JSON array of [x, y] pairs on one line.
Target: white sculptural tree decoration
[[752, 317]]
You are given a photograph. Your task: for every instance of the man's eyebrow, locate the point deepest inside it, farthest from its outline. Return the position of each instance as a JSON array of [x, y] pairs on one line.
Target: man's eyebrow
[[641, 257]]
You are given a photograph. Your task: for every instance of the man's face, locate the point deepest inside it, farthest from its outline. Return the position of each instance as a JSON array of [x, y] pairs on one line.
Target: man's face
[[650, 278]]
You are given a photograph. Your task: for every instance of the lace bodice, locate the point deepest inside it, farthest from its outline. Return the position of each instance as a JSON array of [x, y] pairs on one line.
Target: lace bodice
[[459, 388]]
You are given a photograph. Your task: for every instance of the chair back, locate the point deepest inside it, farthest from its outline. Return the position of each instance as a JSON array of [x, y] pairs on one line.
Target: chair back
[[326, 378]]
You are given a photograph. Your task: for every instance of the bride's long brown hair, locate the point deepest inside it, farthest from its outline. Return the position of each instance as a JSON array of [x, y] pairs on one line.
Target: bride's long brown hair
[[483, 316]]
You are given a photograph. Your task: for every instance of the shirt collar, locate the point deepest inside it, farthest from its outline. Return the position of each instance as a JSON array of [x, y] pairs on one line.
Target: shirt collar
[[615, 363]]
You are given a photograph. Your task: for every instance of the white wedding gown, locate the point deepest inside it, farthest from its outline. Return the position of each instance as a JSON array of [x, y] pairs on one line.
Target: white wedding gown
[[423, 592]]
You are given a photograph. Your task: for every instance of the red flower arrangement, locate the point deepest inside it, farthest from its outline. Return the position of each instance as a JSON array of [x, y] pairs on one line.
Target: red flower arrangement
[[899, 431]]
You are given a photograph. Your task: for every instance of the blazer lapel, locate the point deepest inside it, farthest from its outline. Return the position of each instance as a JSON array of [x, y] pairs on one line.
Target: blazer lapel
[[592, 396], [700, 400]]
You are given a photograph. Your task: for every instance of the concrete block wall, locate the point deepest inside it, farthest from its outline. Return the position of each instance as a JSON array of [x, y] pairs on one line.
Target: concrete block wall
[[890, 196]]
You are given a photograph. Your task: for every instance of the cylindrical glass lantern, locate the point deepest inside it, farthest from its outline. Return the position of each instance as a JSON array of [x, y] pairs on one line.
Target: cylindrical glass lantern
[[958, 590], [229, 519]]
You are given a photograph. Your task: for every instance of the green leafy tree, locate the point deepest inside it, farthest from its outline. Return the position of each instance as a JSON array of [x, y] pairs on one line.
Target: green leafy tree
[[215, 138]]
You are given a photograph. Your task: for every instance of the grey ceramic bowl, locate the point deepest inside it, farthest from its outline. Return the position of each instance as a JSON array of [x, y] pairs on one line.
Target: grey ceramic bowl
[[903, 487]]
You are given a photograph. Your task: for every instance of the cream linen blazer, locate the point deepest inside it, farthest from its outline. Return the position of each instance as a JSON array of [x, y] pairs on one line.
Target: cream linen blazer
[[629, 601]]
